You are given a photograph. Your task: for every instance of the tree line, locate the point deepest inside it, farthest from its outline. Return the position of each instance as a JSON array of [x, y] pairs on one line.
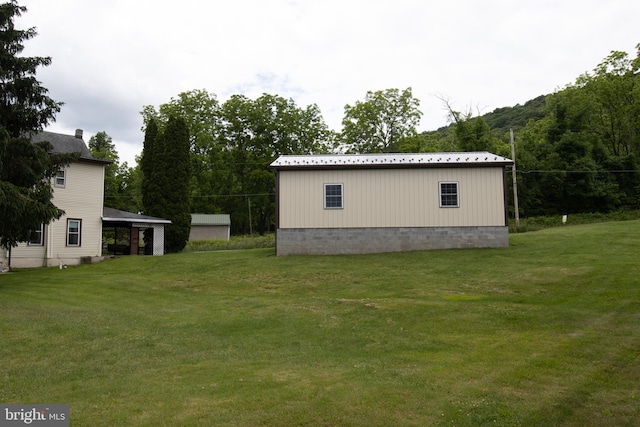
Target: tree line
[[232, 143], [577, 149]]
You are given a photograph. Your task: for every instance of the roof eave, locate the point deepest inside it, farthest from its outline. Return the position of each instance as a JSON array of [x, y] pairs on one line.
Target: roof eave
[[137, 220], [430, 165], [100, 161]]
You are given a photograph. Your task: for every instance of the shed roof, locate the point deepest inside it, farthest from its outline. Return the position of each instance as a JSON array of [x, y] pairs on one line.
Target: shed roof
[[388, 160], [210, 219]]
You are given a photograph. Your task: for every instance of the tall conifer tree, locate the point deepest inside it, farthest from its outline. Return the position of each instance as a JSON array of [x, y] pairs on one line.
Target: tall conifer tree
[[25, 108], [166, 174], [146, 165], [176, 171]]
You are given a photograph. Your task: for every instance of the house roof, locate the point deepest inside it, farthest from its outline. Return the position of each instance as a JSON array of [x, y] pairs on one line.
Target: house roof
[[388, 160], [210, 219], [66, 144], [116, 215]]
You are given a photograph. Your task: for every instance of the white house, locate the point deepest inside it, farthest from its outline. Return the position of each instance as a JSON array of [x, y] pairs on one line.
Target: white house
[[78, 190], [346, 204]]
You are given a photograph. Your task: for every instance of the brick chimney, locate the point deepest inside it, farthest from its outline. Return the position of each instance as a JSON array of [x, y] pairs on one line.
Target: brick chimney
[[79, 133]]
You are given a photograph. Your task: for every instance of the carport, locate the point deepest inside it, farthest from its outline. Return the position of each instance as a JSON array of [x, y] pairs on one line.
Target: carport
[[133, 224]]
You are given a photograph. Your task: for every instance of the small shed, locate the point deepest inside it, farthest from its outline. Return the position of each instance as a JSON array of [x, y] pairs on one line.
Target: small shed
[[135, 224], [210, 227], [347, 204]]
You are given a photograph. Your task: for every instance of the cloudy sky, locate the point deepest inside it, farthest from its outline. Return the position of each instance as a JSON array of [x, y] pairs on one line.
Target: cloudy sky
[[112, 57]]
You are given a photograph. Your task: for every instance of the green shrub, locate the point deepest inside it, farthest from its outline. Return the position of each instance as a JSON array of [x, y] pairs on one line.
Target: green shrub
[[542, 222], [234, 243]]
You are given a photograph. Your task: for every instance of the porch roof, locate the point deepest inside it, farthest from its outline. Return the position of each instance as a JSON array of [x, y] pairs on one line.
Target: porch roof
[[116, 215]]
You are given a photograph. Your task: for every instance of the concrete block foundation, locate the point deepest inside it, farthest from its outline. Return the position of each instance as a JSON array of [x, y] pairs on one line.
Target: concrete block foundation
[[329, 241]]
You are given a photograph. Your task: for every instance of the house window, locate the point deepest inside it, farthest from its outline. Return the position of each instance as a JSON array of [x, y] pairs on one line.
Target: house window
[[333, 196], [37, 238], [73, 232], [449, 197], [61, 178]]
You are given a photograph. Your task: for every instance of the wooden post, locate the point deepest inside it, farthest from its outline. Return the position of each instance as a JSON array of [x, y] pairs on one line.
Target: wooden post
[[250, 223], [135, 236]]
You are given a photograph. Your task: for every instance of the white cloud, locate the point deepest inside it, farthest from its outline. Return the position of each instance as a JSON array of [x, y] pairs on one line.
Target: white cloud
[[110, 58]]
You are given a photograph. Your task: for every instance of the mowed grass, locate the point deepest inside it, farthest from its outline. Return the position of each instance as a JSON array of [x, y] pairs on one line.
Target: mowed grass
[[543, 333]]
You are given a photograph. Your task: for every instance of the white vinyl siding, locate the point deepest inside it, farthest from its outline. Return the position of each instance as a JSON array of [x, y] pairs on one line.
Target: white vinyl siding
[[392, 198], [81, 198]]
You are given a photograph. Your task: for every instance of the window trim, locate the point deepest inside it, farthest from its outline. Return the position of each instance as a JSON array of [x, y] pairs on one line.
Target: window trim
[[336, 184], [63, 177], [79, 232], [39, 242], [457, 194]]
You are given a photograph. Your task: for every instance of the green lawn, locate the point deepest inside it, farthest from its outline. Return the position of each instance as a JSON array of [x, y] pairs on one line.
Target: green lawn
[[543, 333]]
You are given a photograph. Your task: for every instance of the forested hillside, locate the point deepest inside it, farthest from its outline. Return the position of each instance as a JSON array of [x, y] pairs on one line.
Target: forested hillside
[[577, 150], [502, 119]]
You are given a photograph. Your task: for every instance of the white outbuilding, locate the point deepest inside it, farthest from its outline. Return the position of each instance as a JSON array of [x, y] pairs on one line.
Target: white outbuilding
[[348, 204], [210, 227]]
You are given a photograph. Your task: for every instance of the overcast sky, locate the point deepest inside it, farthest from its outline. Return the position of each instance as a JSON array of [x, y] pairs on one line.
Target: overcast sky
[[112, 57]]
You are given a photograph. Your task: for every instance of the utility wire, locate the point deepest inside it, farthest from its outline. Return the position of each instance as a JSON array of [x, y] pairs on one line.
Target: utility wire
[[575, 171], [202, 196]]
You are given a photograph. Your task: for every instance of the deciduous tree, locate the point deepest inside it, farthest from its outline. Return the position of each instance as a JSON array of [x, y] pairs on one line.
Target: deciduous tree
[[102, 147], [252, 134], [471, 133], [381, 122], [614, 97]]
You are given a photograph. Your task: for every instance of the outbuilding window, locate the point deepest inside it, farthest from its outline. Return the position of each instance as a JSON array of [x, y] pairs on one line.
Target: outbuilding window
[[333, 196], [449, 197]]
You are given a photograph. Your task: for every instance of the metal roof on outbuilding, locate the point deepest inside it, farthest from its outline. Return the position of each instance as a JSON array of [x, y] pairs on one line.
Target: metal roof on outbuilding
[[395, 160], [210, 219]]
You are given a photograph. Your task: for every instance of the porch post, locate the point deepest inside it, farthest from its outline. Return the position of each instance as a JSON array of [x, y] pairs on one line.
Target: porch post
[[135, 236]]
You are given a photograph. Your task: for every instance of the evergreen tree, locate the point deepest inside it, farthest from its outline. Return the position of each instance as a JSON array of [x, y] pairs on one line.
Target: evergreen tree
[[24, 104], [166, 174], [199, 109], [26, 169], [149, 193], [173, 171]]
